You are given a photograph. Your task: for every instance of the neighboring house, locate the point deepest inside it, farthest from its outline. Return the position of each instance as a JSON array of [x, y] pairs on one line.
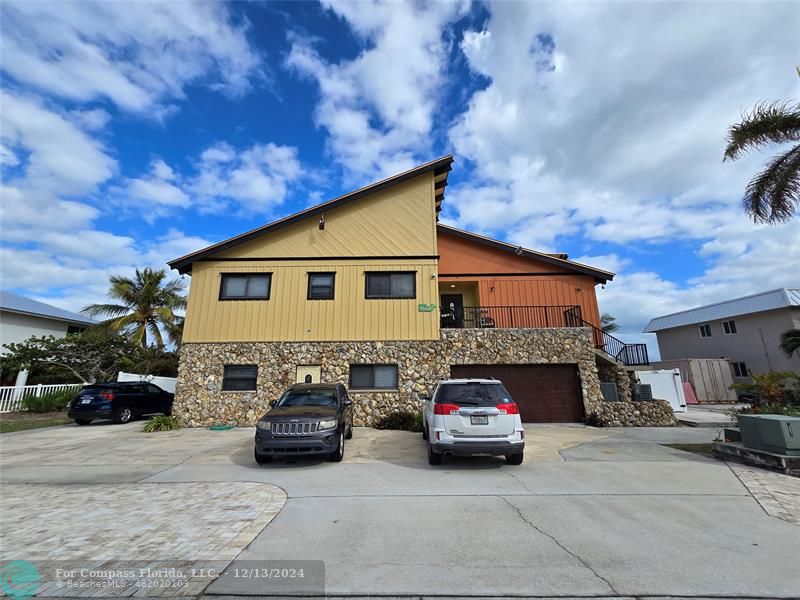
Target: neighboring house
[[22, 318], [744, 330], [368, 289]]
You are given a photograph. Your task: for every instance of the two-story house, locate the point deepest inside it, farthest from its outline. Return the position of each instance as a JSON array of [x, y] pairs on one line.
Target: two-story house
[[370, 290], [747, 331]]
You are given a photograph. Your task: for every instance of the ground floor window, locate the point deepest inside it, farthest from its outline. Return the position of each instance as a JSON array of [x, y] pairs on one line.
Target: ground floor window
[[740, 370], [373, 377], [239, 378]]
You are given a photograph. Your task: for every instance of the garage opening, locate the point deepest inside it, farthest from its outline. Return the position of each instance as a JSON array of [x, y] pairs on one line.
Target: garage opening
[[545, 393]]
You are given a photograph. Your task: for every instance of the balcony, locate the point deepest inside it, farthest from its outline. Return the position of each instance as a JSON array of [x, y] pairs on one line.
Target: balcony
[[537, 317], [508, 317]]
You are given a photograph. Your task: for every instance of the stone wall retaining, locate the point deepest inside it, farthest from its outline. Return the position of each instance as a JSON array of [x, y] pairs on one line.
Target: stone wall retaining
[[200, 401]]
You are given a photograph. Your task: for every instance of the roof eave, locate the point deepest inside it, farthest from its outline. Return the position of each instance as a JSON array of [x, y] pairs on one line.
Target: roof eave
[[440, 167], [599, 275]]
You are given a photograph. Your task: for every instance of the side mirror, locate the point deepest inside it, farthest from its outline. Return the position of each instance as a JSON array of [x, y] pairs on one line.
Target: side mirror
[[425, 398], [347, 402], [272, 403]]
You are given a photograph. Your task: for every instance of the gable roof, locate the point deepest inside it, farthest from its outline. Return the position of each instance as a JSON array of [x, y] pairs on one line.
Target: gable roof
[[25, 306], [770, 300], [440, 167], [559, 260]]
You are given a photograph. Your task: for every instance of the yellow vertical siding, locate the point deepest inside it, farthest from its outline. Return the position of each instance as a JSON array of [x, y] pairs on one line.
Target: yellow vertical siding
[[289, 316]]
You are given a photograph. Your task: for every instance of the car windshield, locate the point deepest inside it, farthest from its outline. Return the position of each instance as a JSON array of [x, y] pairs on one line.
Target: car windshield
[[473, 394], [320, 397]]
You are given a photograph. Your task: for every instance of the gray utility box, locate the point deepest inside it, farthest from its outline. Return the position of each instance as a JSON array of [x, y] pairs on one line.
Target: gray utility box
[[748, 428], [771, 433], [780, 434]]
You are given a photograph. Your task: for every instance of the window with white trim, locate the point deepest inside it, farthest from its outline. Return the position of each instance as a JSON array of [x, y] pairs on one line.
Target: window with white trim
[[729, 327], [705, 330], [740, 370]]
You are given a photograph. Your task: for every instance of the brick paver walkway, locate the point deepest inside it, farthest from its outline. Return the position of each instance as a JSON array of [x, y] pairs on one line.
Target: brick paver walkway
[[130, 525], [778, 494]]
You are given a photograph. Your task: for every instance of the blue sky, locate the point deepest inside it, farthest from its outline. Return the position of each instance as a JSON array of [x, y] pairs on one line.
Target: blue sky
[[135, 132]]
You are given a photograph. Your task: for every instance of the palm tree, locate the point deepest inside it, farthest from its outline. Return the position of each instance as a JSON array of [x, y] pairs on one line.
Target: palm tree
[[608, 323], [790, 342], [773, 195], [146, 305]]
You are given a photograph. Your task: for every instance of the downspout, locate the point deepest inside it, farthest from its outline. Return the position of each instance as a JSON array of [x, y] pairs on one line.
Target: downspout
[[766, 352]]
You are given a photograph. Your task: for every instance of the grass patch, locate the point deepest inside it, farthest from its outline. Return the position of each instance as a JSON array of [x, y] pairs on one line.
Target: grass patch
[[701, 449], [20, 421]]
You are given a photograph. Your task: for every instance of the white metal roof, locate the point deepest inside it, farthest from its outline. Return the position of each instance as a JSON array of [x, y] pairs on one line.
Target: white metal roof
[[779, 298], [21, 304]]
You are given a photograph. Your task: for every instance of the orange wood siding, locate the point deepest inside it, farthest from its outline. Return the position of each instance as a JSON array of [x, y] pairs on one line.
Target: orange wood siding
[[463, 260]]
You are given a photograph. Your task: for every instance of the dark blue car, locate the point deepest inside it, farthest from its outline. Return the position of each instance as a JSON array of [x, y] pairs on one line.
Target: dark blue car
[[121, 402]]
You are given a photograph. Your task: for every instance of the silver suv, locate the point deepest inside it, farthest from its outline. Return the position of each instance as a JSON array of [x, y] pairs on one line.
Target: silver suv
[[464, 417]]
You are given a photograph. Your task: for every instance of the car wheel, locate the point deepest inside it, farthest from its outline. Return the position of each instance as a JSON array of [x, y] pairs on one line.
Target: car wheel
[[514, 459], [83, 421], [433, 457], [262, 459], [425, 432], [338, 454], [124, 414], [349, 435]]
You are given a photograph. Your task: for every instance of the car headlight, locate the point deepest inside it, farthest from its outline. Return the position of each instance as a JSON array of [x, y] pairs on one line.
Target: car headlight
[[326, 424], [264, 425]]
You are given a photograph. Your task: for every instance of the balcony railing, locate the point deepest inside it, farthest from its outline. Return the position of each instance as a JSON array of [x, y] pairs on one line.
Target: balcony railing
[[508, 317], [628, 354], [533, 317]]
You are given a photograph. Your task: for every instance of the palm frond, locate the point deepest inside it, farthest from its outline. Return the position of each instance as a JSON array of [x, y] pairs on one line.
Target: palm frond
[[790, 342], [111, 310], [768, 122], [773, 194]]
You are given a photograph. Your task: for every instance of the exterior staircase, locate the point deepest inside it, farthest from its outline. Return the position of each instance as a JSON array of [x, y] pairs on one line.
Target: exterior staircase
[[609, 347]]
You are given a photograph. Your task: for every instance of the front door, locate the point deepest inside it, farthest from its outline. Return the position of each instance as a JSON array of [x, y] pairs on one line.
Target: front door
[[452, 310]]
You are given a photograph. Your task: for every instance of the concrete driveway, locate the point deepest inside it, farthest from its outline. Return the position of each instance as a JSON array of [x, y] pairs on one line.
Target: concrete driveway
[[607, 513]]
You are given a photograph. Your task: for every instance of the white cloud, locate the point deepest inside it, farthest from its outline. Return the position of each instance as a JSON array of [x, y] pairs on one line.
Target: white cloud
[[379, 107], [256, 179], [136, 54], [608, 121]]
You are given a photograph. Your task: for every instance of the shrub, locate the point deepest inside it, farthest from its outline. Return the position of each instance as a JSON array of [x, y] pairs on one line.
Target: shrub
[[161, 423], [404, 420], [773, 388], [49, 402], [786, 410]]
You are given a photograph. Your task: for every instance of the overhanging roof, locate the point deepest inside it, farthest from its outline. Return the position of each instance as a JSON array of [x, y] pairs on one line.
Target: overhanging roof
[[25, 306], [599, 275], [770, 300], [440, 167]]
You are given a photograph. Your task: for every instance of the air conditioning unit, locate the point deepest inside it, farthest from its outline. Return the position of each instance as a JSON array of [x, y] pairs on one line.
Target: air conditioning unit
[[642, 392], [609, 391]]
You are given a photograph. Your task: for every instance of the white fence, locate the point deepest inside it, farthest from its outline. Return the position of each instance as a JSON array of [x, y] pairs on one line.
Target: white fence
[[165, 383], [11, 396]]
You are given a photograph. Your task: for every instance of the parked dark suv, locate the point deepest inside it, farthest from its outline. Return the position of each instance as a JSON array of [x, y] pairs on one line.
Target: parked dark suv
[[309, 418], [122, 402]]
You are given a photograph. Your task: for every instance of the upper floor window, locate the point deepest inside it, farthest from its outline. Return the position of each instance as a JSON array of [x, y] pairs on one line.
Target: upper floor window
[[705, 330], [384, 284], [740, 370], [239, 378], [320, 286], [245, 286], [376, 377], [729, 327]]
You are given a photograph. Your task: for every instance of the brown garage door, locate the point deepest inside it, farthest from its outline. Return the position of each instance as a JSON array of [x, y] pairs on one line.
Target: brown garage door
[[545, 393]]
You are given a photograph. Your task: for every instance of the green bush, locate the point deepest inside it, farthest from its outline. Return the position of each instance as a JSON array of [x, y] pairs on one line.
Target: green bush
[[403, 420], [49, 402], [161, 423]]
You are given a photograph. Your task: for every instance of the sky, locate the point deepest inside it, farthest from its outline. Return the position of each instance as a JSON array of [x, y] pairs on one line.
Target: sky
[[132, 133]]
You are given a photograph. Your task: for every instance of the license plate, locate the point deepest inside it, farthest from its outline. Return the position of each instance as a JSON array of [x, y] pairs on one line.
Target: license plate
[[479, 420], [86, 401]]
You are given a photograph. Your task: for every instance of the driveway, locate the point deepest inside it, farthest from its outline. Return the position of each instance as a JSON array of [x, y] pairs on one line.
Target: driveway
[[591, 512]]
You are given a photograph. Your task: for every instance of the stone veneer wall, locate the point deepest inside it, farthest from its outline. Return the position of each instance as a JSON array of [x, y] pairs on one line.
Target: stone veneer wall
[[200, 401]]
